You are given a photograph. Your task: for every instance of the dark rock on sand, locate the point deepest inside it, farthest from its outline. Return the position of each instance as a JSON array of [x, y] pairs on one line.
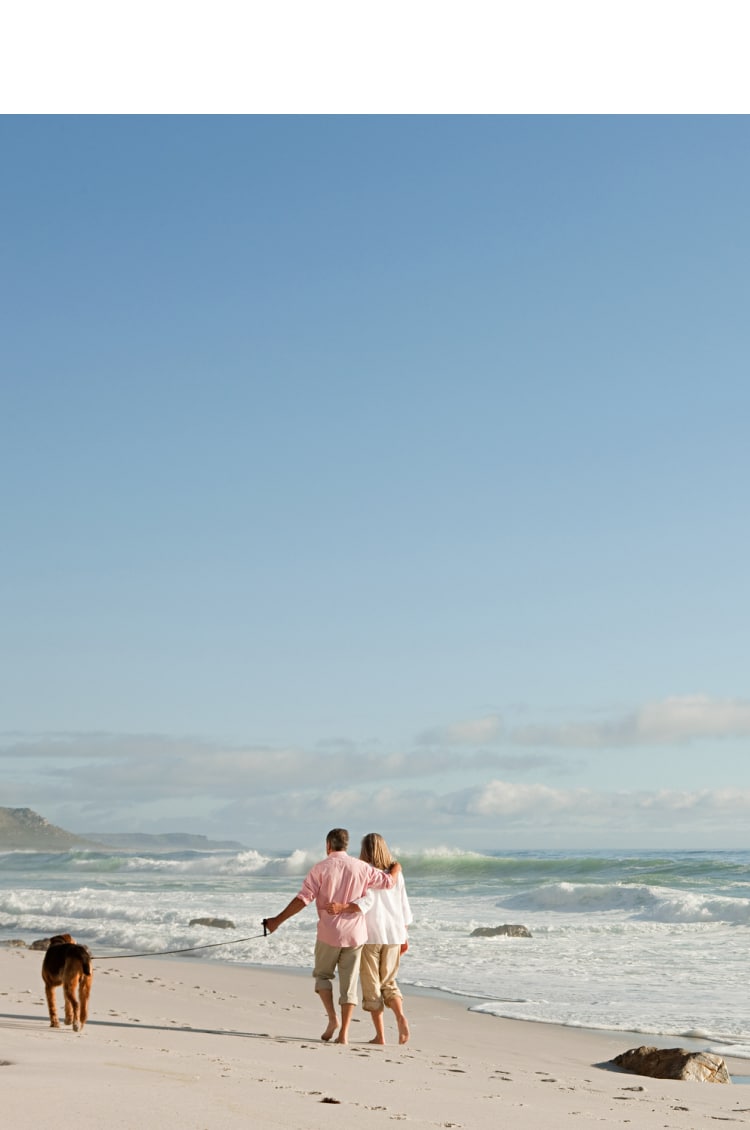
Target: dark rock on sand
[[674, 1063], [219, 923], [509, 930]]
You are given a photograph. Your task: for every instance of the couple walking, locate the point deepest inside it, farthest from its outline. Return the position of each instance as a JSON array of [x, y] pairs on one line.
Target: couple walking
[[363, 913]]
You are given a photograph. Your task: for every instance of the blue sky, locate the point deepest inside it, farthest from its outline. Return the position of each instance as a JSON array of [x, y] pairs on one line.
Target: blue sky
[[388, 471]]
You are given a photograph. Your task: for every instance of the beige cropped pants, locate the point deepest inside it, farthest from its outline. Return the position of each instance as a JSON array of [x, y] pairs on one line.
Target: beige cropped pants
[[377, 972]]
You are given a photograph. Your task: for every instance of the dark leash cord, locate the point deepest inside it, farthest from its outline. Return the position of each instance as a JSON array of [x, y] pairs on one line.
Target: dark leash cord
[[190, 949]]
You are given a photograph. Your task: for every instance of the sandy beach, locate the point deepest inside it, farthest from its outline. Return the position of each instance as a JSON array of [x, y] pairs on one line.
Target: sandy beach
[[173, 1041]]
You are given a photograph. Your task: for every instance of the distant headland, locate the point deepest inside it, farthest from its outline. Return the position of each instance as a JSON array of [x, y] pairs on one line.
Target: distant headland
[[22, 829]]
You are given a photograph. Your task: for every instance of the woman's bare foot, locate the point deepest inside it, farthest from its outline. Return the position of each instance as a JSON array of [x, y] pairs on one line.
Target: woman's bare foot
[[342, 1038], [403, 1029], [330, 1030], [377, 1040]]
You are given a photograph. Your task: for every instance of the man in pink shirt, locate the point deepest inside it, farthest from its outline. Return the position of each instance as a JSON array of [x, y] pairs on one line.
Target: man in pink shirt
[[337, 878]]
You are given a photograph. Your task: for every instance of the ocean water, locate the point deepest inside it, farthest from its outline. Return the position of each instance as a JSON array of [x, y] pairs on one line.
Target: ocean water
[[649, 942]]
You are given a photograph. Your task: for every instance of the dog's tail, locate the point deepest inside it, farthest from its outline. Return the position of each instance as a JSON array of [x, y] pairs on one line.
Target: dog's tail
[[85, 961]]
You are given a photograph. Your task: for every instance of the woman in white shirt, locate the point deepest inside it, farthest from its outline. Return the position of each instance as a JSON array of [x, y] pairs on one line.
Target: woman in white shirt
[[387, 913]]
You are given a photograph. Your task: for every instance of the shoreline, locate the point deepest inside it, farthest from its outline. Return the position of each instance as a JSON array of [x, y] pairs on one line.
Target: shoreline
[[208, 1045], [630, 1037]]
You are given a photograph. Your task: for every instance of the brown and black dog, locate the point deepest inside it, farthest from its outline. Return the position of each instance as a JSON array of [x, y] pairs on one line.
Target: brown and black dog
[[69, 965]]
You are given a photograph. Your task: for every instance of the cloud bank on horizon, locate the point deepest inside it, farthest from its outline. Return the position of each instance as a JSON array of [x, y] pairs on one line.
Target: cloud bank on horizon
[[676, 719], [454, 784]]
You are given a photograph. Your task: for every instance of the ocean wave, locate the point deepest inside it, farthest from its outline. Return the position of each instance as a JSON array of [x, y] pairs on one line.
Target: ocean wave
[[637, 901], [194, 863], [442, 863], [681, 869]]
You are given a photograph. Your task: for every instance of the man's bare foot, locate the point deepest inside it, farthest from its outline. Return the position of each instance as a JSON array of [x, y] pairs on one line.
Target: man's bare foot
[[377, 1040], [330, 1030], [341, 1039], [403, 1029]]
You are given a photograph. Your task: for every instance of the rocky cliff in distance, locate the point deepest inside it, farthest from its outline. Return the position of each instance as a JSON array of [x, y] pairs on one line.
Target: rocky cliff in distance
[[162, 842], [22, 829]]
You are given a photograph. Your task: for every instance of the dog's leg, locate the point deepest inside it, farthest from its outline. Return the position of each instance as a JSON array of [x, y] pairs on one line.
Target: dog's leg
[[49, 991], [84, 990], [71, 1003]]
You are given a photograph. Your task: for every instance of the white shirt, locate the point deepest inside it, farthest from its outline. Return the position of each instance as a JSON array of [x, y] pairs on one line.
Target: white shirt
[[387, 914]]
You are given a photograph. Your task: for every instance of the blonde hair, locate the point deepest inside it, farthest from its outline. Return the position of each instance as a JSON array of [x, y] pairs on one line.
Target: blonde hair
[[375, 851]]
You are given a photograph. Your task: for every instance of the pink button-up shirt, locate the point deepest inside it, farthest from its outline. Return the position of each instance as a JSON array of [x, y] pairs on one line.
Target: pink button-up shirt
[[341, 878]]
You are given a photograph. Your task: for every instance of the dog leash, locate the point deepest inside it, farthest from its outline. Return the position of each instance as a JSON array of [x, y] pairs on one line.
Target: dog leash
[[190, 949]]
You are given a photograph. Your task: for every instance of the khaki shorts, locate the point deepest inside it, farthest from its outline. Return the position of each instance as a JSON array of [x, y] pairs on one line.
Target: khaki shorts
[[344, 958]]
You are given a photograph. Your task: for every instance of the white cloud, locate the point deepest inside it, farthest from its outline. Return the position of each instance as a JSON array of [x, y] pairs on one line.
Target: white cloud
[[676, 719], [539, 805], [132, 767], [693, 716], [503, 798], [499, 811]]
